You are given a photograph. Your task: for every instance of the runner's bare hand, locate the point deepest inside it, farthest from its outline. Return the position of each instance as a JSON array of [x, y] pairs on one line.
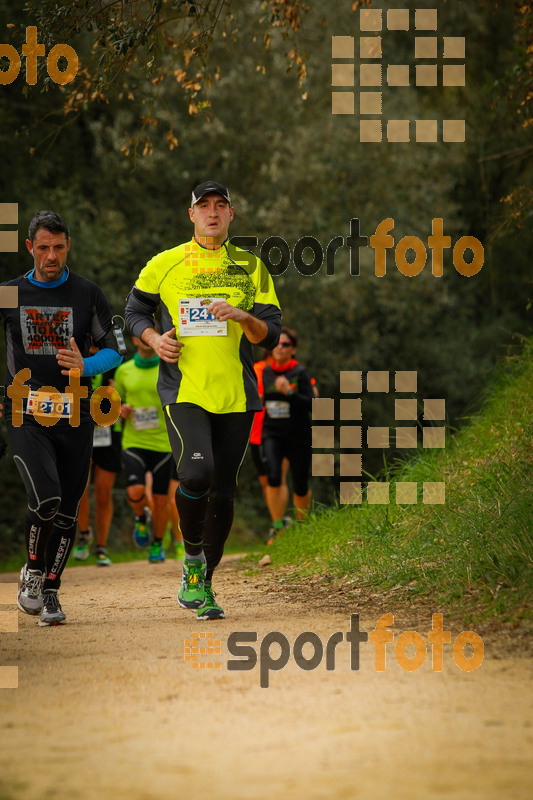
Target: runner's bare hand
[[223, 311], [282, 384], [70, 359], [125, 410], [168, 348]]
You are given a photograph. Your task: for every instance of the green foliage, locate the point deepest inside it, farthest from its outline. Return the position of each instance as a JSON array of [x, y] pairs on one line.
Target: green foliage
[[136, 51], [293, 168], [476, 550]]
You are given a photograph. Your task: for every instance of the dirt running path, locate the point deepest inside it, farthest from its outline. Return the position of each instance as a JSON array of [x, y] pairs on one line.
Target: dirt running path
[[108, 708]]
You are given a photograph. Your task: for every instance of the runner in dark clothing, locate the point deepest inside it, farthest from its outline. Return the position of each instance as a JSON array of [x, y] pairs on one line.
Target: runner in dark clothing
[[288, 394], [47, 337]]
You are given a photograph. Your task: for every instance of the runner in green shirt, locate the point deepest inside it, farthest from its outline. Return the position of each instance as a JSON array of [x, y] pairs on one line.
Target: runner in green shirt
[[106, 459], [145, 446]]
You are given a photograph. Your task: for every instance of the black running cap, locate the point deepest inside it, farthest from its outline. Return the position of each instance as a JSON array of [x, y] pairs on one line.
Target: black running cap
[[209, 187]]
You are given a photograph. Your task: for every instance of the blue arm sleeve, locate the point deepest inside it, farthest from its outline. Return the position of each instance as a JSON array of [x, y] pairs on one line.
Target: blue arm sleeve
[[102, 361]]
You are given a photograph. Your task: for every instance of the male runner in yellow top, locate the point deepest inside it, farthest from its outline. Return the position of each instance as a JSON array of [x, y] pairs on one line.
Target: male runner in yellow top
[[216, 301]]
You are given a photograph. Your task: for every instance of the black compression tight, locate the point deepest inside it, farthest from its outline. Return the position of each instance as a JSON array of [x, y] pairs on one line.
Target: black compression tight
[[299, 455], [54, 465], [209, 450]]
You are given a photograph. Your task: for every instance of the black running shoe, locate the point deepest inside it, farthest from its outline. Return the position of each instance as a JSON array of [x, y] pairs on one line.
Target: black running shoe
[[52, 614]]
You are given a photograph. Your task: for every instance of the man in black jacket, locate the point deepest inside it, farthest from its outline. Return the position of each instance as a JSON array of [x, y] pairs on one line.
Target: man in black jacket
[[47, 338]]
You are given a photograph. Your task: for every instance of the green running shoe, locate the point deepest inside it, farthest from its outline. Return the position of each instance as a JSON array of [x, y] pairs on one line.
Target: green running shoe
[[102, 559], [211, 609], [141, 530], [191, 592], [81, 551], [157, 554]]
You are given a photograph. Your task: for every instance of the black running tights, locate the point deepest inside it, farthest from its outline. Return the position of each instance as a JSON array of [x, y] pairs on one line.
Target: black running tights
[[209, 450], [54, 464]]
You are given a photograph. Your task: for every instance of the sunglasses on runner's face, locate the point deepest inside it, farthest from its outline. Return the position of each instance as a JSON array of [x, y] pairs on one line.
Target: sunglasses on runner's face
[[285, 344]]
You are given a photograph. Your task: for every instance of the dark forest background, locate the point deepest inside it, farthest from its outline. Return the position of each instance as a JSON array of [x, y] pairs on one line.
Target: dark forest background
[[241, 93]]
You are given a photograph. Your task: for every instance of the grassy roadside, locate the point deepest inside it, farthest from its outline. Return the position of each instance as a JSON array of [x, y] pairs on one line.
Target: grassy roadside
[[474, 553]]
